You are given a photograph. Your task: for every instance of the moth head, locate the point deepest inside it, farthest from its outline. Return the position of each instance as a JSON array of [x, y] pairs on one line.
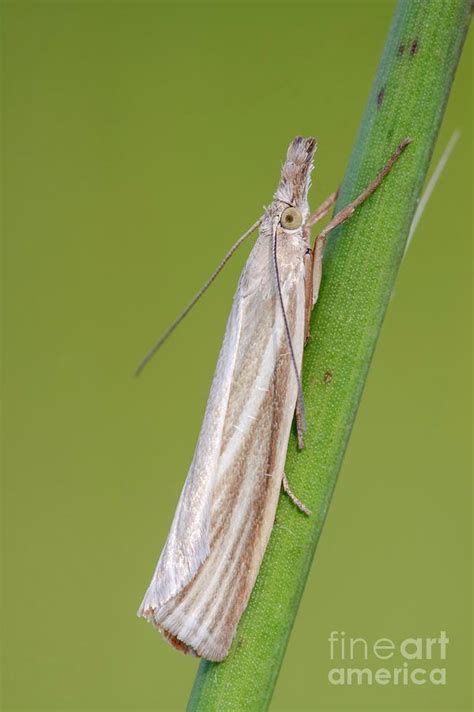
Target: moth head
[[295, 174], [291, 218]]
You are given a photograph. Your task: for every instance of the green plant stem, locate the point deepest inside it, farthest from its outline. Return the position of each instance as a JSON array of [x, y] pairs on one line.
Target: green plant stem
[[408, 98]]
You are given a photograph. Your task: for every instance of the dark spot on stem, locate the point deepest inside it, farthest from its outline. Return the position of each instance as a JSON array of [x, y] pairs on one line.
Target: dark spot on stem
[[327, 378], [380, 97], [390, 134], [414, 46], [401, 49]]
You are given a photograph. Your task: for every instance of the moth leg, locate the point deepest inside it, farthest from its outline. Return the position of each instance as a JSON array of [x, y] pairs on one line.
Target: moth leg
[[346, 213], [297, 502], [318, 214], [317, 270], [323, 209], [300, 424]]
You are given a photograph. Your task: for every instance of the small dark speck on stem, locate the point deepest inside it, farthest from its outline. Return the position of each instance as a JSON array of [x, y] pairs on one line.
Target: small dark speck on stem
[[401, 50], [380, 96], [414, 46], [327, 378]]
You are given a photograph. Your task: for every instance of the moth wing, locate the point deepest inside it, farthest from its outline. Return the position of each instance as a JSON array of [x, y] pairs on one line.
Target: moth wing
[[235, 509]]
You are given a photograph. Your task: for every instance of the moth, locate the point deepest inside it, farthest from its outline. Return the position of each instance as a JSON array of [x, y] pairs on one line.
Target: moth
[[208, 567]]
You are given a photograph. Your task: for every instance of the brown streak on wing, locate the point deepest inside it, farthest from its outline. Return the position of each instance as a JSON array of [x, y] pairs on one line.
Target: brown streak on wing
[[178, 644]]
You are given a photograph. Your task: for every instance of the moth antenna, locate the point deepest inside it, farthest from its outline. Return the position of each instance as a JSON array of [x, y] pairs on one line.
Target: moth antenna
[[288, 333], [430, 186], [196, 298]]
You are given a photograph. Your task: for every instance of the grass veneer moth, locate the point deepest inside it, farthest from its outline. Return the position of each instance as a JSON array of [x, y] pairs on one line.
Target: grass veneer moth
[[207, 570]]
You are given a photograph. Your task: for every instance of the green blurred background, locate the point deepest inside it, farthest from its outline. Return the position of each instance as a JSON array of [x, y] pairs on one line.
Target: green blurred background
[[139, 140]]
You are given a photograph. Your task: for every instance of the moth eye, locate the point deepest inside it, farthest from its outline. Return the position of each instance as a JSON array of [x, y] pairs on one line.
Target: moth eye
[[291, 219]]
